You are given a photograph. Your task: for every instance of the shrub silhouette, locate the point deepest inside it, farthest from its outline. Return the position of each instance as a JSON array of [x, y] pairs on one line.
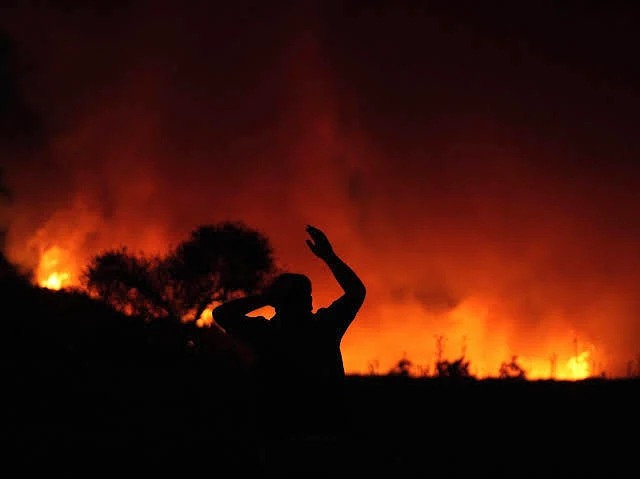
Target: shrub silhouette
[[402, 367], [512, 370], [458, 368]]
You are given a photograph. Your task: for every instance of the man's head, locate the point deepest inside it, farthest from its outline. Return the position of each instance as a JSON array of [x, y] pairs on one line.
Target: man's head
[[290, 293]]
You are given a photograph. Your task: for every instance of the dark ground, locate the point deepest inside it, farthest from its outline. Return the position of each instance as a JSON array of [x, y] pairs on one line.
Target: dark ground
[[100, 418], [87, 393]]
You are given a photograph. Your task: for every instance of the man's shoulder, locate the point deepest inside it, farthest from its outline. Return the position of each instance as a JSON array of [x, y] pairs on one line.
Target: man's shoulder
[[328, 313], [341, 306]]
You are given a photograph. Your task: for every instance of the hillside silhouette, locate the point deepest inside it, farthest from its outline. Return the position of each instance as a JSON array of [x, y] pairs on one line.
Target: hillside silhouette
[[88, 386]]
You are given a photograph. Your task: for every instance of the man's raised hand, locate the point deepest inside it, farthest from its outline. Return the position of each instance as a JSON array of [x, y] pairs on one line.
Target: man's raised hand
[[319, 244]]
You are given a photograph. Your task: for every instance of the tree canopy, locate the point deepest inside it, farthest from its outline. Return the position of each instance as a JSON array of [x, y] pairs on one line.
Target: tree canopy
[[216, 262]]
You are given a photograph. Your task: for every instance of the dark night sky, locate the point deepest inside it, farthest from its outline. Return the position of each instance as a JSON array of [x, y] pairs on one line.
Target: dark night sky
[[458, 153]]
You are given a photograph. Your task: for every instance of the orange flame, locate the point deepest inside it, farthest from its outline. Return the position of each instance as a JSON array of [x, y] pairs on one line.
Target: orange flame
[[52, 272], [579, 366], [485, 346]]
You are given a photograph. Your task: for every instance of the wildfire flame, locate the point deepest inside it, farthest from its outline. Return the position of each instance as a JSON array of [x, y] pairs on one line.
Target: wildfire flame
[[579, 366], [52, 271], [55, 272], [573, 369], [432, 209]]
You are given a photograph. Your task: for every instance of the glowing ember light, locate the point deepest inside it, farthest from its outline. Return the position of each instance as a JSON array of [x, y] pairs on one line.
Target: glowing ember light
[[56, 281], [575, 368], [469, 330], [579, 366], [206, 318], [51, 272], [485, 339]]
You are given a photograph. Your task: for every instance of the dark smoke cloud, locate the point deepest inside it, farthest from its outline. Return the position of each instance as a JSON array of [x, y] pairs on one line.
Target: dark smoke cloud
[[20, 127]]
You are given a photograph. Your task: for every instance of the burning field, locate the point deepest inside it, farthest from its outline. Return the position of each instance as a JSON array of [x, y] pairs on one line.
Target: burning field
[[479, 175]]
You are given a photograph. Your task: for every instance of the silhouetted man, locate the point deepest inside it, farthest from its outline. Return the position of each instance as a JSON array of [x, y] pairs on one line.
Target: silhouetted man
[[298, 357]]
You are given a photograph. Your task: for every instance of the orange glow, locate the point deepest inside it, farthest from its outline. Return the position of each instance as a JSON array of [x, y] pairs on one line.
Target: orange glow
[[205, 319], [574, 368], [461, 228], [52, 271], [55, 281], [578, 366], [469, 331]]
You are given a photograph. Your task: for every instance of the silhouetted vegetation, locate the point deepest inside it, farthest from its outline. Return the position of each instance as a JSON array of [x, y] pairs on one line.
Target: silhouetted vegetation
[[402, 367], [213, 264], [512, 370], [139, 306], [633, 367], [458, 368], [84, 380]]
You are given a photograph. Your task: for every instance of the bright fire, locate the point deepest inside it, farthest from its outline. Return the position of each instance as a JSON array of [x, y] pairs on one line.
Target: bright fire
[[56, 281], [504, 238], [574, 368], [483, 346], [52, 271], [579, 365]]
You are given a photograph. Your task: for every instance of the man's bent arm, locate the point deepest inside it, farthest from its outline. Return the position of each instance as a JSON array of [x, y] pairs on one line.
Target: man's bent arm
[[232, 312], [347, 279]]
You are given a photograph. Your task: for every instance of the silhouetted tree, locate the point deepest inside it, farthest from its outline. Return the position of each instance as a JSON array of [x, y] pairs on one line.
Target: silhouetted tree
[[214, 263], [512, 370], [217, 262]]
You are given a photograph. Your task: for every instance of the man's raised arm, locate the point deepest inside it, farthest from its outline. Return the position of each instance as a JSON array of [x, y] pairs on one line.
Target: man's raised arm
[[348, 280], [233, 313]]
